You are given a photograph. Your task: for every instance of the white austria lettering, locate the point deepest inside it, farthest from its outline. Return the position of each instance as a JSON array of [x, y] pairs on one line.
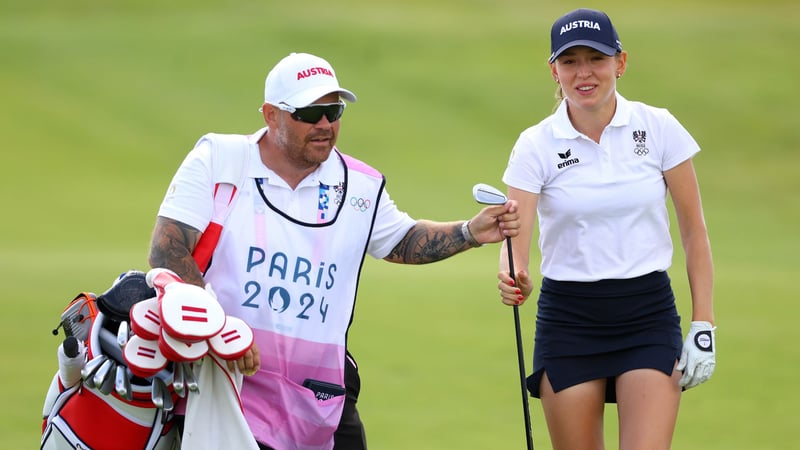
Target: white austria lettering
[[580, 24], [313, 71]]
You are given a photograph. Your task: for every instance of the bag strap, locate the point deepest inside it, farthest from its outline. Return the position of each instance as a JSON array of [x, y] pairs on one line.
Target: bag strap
[[229, 160], [224, 195]]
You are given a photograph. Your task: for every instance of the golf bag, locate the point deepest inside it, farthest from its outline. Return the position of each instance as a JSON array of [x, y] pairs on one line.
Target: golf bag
[[94, 401]]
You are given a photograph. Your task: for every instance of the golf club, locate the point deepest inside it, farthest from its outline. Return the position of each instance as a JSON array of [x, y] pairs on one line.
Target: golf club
[[178, 383], [122, 383], [87, 373], [156, 394], [189, 379], [123, 334], [167, 403], [488, 195], [104, 377]]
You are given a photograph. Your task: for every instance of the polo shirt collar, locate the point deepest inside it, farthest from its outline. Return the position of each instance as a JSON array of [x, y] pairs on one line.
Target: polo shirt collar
[[563, 129], [330, 172]]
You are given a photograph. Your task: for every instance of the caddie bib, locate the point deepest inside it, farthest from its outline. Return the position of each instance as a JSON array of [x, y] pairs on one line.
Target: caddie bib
[[295, 284]]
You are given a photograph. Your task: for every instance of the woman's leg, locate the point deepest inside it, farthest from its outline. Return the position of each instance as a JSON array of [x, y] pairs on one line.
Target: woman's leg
[[575, 415], [647, 404]]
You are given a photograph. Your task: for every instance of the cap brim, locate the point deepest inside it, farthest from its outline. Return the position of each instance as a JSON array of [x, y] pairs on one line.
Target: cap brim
[[602, 48], [309, 96]]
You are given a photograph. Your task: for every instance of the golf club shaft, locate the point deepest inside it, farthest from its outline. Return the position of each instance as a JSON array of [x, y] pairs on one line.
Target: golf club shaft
[[520, 355]]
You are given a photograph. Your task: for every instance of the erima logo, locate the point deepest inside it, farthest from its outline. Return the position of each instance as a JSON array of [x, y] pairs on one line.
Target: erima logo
[[567, 162], [580, 24], [313, 71]]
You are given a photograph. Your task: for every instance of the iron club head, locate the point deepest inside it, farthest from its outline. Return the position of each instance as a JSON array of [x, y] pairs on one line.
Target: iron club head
[[88, 371], [488, 195], [156, 394], [189, 378], [122, 383], [104, 377], [166, 398], [178, 382], [123, 334]]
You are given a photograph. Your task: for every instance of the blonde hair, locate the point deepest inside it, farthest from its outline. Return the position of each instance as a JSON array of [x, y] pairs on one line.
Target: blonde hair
[[559, 96]]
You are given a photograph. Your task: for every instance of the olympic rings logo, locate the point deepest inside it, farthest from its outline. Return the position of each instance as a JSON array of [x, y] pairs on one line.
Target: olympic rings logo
[[359, 204]]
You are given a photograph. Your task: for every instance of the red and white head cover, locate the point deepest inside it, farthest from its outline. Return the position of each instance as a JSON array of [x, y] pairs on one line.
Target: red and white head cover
[[146, 319], [190, 313], [181, 324], [143, 357], [181, 351], [234, 340]]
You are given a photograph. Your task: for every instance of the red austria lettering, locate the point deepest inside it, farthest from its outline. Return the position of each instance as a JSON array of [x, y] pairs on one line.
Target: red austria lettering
[[313, 71]]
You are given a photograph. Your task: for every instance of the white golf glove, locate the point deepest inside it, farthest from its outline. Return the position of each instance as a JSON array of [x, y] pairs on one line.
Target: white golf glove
[[697, 358]]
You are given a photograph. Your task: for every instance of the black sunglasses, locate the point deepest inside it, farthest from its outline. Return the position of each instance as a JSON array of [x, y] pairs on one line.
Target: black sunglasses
[[313, 113]]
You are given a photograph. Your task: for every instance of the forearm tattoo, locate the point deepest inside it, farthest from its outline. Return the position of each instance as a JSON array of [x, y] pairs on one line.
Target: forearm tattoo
[[171, 248], [428, 242]]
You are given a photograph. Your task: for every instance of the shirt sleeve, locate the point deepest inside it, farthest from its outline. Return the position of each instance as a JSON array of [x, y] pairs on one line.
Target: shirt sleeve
[[190, 197], [525, 168], [679, 145], [391, 226]]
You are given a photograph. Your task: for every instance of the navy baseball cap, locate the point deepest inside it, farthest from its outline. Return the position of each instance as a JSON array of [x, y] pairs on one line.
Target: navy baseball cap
[[587, 27]]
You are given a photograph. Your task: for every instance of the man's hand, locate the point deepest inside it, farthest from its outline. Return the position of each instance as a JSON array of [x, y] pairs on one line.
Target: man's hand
[[249, 363], [495, 223], [698, 356]]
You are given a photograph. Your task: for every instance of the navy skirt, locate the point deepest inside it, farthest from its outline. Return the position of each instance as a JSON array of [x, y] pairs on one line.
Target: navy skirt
[[595, 330]]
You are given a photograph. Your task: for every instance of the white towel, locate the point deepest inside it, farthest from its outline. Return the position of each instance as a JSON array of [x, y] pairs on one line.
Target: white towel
[[214, 415]]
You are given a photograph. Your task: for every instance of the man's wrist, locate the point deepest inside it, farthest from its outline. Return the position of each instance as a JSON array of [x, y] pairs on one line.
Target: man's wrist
[[471, 241]]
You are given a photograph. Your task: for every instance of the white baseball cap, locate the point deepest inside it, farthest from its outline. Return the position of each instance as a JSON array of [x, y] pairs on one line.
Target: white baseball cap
[[299, 79]]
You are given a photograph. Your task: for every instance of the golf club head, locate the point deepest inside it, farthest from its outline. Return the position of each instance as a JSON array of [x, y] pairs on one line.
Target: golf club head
[[156, 394], [488, 195], [104, 377], [166, 398], [189, 378], [178, 383], [123, 334], [87, 373], [122, 383]]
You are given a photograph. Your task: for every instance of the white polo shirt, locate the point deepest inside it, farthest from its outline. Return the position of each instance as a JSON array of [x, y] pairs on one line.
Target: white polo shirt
[[602, 207], [189, 194]]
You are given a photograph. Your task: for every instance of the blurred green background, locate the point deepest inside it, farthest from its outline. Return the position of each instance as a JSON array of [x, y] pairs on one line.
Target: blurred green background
[[100, 101]]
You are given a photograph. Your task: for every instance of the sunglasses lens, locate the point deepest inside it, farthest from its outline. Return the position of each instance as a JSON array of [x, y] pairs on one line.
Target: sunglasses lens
[[314, 113]]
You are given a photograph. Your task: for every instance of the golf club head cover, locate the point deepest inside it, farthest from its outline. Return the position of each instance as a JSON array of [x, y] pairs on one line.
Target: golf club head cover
[[127, 290], [146, 319], [143, 357], [233, 341], [190, 313], [181, 351], [698, 356]]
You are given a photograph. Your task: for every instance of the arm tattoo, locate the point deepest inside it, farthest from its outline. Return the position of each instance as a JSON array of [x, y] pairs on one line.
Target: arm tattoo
[[171, 248], [428, 242]]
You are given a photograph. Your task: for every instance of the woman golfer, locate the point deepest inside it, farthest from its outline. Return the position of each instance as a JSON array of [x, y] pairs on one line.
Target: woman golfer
[[596, 173]]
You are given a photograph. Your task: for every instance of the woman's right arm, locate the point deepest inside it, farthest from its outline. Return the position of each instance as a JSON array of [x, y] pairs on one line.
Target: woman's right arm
[[511, 292]]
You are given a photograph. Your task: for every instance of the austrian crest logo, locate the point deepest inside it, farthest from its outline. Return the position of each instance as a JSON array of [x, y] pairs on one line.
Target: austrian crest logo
[[639, 138]]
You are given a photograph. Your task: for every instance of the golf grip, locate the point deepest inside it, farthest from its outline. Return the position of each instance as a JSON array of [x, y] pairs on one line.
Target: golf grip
[[520, 355]]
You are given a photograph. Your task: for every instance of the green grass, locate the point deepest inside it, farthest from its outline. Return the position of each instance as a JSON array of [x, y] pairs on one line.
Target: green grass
[[101, 101]]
